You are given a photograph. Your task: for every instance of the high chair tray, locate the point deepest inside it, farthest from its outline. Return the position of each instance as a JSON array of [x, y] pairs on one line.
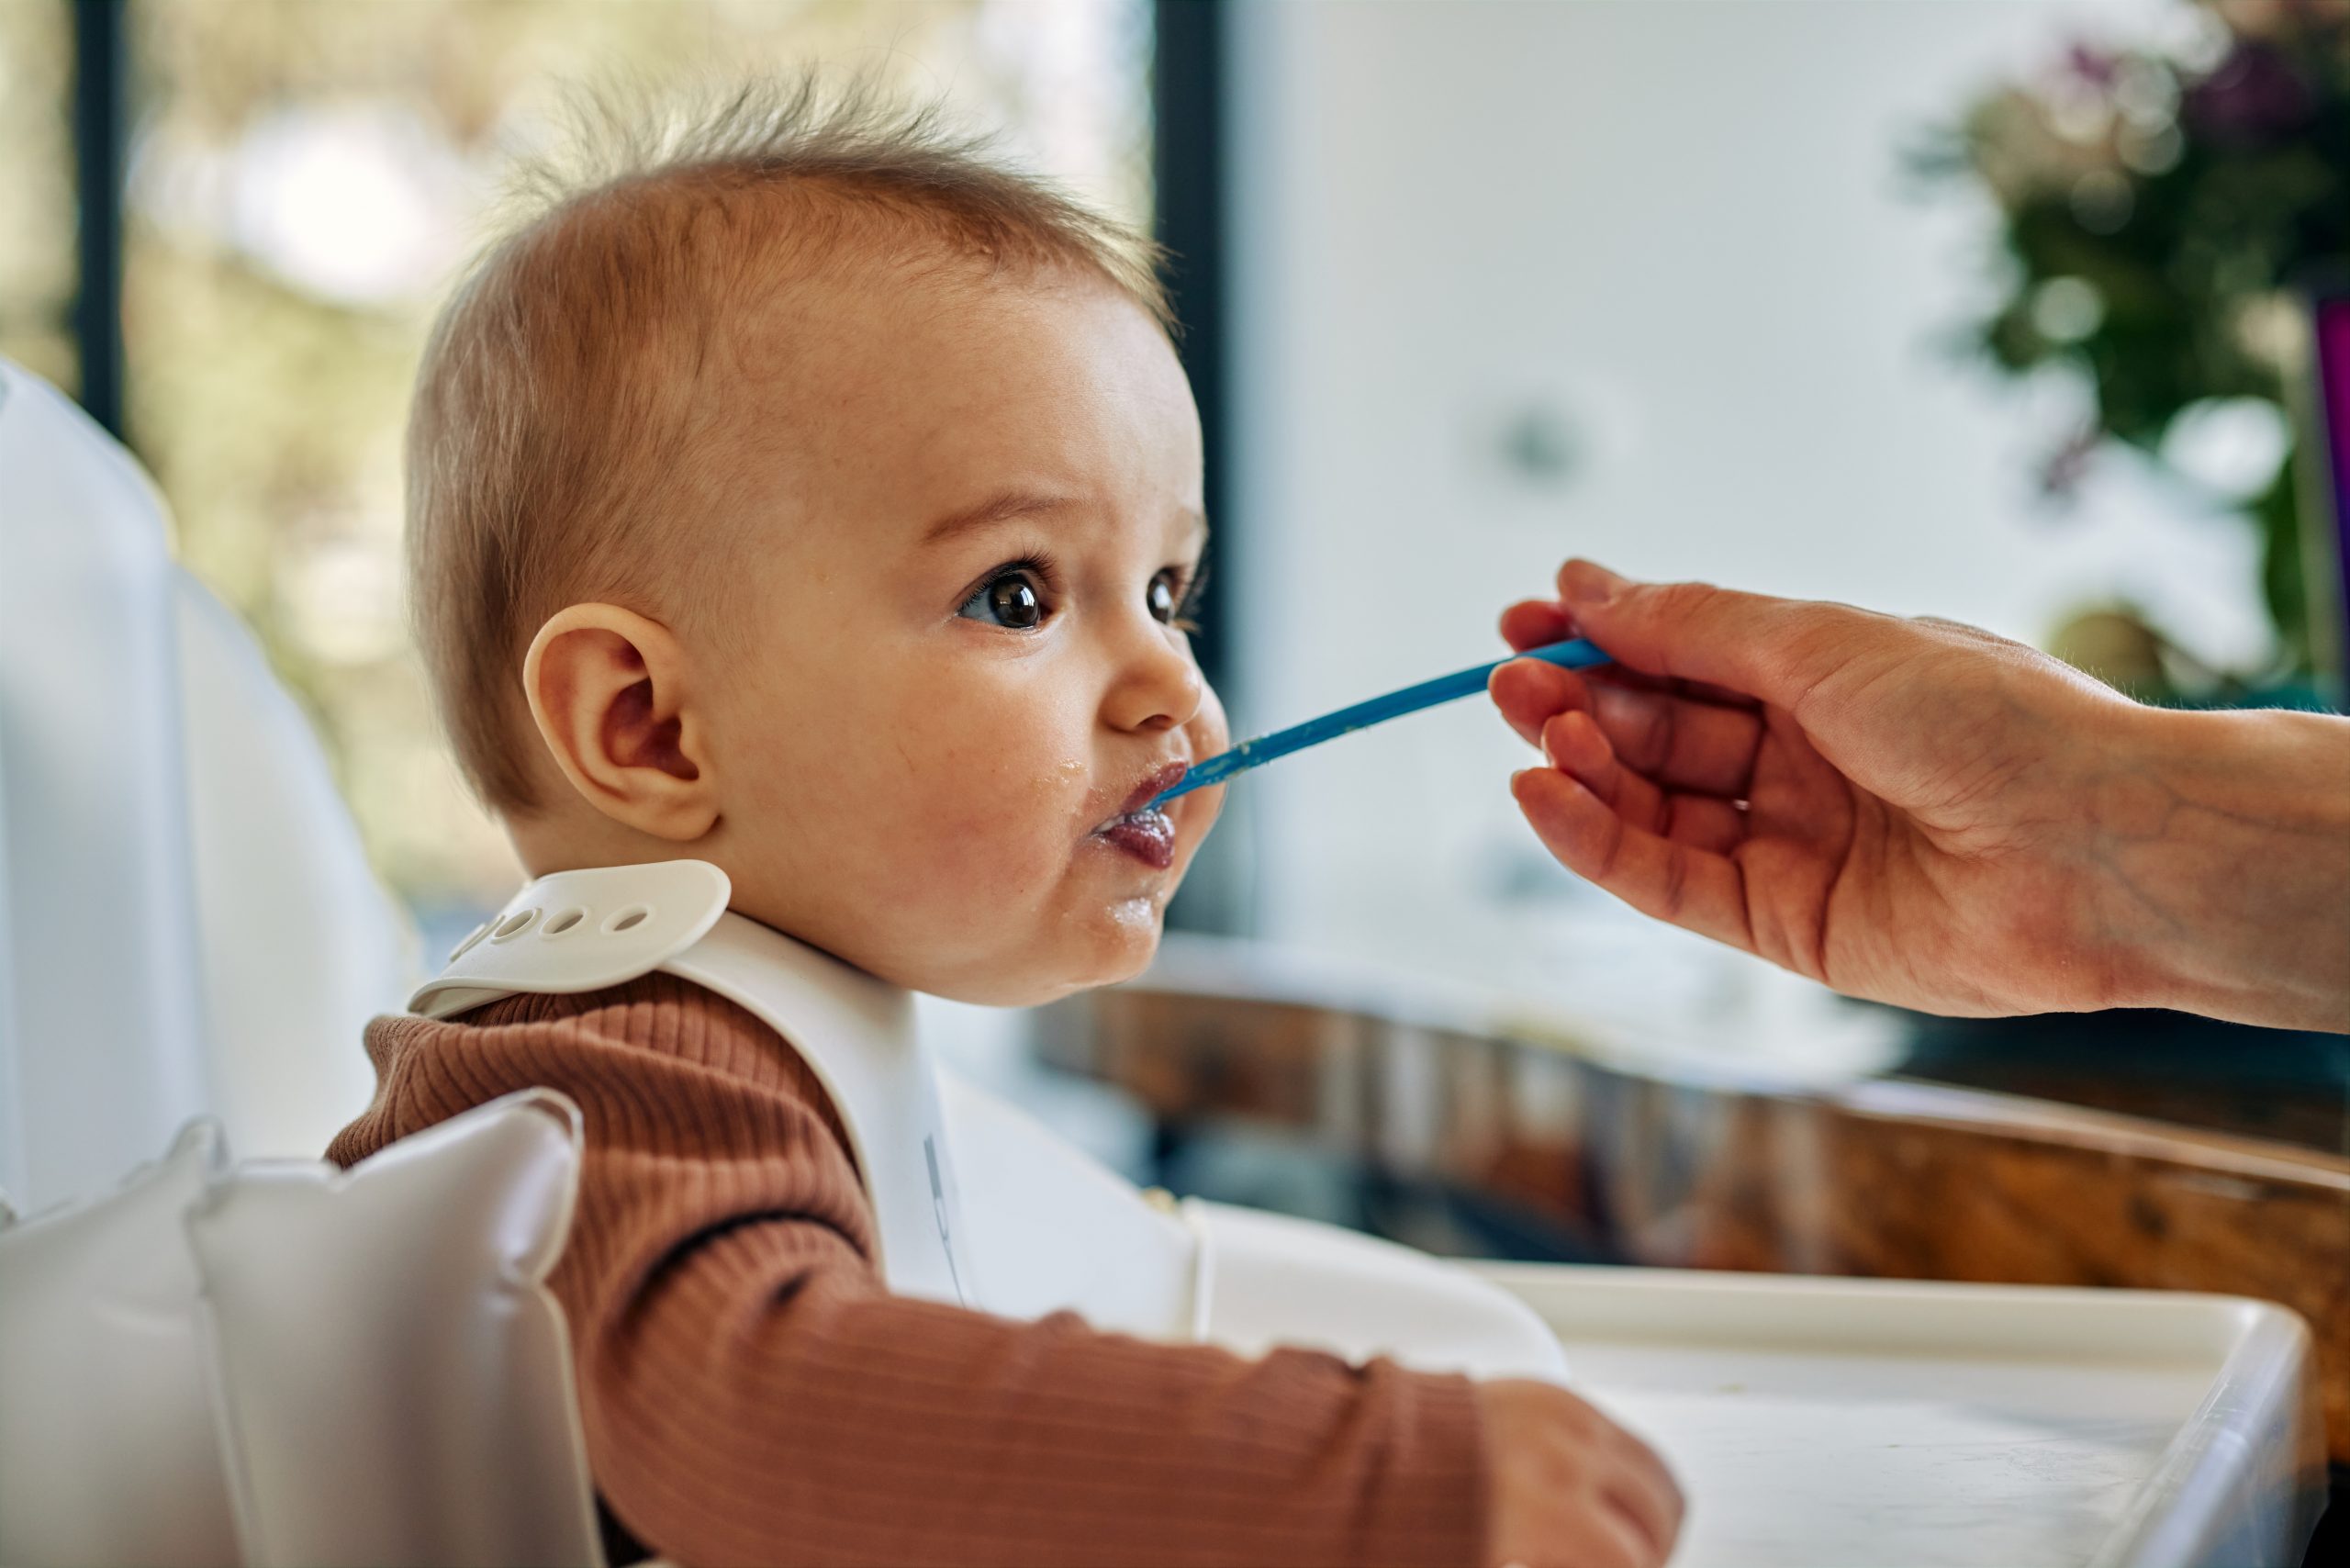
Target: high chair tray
[[1817, 1422]]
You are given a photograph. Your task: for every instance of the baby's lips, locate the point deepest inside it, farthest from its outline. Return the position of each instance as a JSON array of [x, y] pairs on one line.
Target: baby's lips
[[1104, 809], [1148, 837], [1154, 784]]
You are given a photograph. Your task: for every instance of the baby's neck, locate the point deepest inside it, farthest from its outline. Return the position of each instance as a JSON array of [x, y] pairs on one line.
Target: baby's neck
[[575, 838]]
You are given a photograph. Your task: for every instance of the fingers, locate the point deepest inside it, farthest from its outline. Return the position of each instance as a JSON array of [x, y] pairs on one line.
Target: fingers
[[1572, 742], [1699, 890], [1569, 1487], [1614, 1500], [1538, 622], [1593, 1533], [1680, 744], [1606, 1537], [1703, 824], [1644, 1492], [1774, 649], [1530, 693], [1535, 623]]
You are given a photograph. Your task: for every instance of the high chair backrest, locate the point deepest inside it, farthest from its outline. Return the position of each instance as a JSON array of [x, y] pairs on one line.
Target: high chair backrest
[[271, 1362], [188, 923]]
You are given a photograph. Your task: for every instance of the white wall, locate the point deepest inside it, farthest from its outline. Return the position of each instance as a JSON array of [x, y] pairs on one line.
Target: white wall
[[1684, 231]]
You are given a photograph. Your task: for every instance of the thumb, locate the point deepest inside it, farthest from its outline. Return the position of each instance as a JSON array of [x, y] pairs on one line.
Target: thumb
[[1778, 650]]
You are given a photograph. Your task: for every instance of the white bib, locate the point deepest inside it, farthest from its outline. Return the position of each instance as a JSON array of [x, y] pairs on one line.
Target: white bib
[[977, 1204], [582, 931]]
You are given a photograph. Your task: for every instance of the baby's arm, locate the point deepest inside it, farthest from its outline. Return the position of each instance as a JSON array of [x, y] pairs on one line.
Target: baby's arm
[[836, 1419], [752, 1393]]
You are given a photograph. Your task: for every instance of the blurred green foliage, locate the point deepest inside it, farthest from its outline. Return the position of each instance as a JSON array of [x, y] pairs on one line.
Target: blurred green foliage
[[2161, 206]]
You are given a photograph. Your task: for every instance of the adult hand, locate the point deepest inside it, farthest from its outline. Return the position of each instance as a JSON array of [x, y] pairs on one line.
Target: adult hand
[[1568, 1487], [1920, 813]]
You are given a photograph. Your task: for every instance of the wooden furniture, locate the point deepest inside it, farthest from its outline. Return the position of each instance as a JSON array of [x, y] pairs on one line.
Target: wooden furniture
[[1882, 1177]]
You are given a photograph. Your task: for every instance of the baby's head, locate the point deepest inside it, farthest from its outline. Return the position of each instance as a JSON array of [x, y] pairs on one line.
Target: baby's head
[[815, 498]]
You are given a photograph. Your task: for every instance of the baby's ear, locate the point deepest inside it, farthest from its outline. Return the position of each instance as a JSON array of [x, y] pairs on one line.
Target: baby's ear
[[613, 696]]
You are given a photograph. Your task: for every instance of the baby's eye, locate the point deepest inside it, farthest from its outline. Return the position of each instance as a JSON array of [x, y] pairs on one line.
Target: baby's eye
[[1009, 598], [1164, 598], [1174, 595]]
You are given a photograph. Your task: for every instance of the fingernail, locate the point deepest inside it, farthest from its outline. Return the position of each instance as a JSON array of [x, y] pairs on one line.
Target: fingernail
[[1587, 583]]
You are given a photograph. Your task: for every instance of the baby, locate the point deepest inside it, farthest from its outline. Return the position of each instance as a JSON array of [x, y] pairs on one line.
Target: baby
[[813, 496]]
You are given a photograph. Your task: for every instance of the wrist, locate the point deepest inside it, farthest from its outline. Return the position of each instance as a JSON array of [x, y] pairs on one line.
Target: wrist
[[2223, 866]]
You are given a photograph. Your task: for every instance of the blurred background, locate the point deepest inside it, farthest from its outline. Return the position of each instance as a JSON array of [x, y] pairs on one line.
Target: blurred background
[[1992, 310], [301, 181], [2003, 310]]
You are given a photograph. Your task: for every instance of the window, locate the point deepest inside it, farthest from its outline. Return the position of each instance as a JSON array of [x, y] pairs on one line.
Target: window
[[36, 190], [305, 179]]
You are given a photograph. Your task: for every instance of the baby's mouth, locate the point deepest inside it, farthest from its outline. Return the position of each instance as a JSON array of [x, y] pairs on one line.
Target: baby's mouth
[[1148, 837], [1141, 830]]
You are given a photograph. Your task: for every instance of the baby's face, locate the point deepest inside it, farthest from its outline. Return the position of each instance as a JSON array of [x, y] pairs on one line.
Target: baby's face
[[961, 671]]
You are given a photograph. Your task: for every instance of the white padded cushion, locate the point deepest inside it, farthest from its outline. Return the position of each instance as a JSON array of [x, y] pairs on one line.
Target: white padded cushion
[[396, 1381], [283, 1363], [107, 1448]]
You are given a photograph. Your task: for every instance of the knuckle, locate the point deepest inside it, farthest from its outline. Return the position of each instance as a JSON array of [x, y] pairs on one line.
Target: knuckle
[[1662, 733], [1676, 896], [1563, 1464], [1682, 598], [1611, 852]]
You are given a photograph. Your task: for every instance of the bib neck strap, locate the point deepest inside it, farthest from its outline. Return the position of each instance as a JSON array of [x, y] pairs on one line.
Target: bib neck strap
[[571, 931], [574, 932]]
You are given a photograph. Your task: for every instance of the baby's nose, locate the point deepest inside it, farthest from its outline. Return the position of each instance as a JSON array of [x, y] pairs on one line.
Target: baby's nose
[[1158, 689]]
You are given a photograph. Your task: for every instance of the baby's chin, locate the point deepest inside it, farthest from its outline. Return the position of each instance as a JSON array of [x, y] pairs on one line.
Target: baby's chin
[[1103, 946]]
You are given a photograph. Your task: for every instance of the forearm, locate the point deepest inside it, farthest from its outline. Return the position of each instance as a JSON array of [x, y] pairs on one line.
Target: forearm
[[2225, 867], [760, 1399]]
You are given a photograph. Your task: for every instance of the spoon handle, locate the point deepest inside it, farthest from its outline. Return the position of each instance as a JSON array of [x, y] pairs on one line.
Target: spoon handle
[[1579, 653]]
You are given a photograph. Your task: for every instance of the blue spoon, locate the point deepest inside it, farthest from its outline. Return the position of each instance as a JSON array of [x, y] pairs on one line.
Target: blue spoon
[[1576, 654]]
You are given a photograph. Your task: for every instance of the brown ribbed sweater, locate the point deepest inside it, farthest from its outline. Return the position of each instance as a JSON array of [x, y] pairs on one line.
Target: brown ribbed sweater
[[753, 1394]]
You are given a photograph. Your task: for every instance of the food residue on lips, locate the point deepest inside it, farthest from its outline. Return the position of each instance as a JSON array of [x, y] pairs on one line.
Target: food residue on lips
[[1147, 836], [1142, 830]]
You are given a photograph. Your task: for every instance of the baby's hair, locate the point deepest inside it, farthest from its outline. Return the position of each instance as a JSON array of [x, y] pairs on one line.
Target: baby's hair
[[579, 358]]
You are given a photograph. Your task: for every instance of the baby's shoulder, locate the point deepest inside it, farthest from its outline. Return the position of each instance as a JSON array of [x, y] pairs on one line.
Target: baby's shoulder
[[661, 1013], [662, 1034], [659, 1049]]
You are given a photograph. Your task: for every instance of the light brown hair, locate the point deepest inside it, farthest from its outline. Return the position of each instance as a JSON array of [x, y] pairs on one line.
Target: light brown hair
[[584, 356]]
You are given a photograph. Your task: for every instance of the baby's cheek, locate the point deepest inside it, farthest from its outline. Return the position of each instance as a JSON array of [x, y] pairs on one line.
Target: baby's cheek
[[1208, 732], [988, 821]]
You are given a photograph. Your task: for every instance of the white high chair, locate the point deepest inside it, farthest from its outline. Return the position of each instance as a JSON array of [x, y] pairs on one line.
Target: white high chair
[[196, 1365], [192, 913], [189, 907], [182, 893], [190, 938]]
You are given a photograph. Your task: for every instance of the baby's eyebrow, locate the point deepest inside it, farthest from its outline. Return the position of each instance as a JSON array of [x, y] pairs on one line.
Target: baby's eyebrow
[[1011, 506], [1005, 505]]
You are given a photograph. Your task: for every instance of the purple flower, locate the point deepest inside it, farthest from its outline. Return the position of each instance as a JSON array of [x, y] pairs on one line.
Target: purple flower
[[2063, 470], [2098, 68], [2254, 96]]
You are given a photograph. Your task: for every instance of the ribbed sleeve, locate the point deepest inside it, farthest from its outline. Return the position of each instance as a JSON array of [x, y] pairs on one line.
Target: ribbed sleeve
[[753, 1394]]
